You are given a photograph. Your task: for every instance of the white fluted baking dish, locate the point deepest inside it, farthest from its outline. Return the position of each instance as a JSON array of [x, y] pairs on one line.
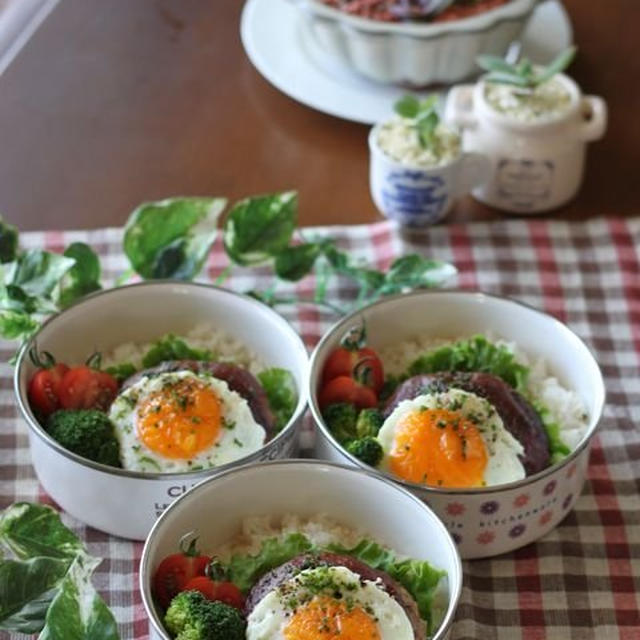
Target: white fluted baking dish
[[416, 53]]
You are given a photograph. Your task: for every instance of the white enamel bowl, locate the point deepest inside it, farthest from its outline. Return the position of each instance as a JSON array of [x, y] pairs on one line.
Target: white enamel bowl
[[413, 52], [127, 503], [360, 500], [493, 520]]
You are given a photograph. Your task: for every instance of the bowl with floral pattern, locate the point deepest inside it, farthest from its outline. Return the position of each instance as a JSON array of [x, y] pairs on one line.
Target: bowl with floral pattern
[[482, 406]]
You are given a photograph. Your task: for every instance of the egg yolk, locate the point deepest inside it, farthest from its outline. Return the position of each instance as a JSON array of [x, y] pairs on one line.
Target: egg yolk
[[180, 420], [438, 447], [324, 618]]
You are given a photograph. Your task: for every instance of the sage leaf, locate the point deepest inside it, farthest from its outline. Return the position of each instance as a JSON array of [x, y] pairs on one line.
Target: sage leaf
[[31, 530], [77, 611], [259, 228], [426, 125], [523, 73], [172, 238], [407, 107], [293, 263], [26, 591], [429, 103], [493, 63], [500, 77], [559, 64], [84, 275], [424, 115]]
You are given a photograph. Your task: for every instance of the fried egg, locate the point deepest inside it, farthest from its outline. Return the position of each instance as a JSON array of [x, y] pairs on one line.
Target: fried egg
[[450, 439], [182, 421], [328, 603]]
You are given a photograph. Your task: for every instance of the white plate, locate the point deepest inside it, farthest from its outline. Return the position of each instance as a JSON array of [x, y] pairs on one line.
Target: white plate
[[278, 46]]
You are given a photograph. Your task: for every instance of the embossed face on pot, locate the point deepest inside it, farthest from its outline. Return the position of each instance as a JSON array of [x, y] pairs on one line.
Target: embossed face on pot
[[450, 439], [181, 421]]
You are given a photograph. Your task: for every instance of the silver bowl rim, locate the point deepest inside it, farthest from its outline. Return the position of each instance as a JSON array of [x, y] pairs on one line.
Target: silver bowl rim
[[39, 431], [145, 569], [426, 490]]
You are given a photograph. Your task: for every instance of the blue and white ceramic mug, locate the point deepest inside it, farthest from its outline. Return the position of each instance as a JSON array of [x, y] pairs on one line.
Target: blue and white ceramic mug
[[418, 196]]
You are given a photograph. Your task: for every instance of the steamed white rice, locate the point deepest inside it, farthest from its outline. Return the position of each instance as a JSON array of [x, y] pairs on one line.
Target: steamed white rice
[[564, 405], [321, 530], [224, 347]]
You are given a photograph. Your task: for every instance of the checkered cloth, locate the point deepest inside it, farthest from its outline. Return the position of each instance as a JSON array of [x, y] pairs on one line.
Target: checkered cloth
[[580, 582]]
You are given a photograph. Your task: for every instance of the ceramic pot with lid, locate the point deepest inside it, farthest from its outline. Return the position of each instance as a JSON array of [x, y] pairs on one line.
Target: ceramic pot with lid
[[538, 162]]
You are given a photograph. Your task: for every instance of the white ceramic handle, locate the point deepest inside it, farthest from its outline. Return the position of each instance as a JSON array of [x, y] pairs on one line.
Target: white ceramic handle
[[474, 170], [458, 110], [595, 126]]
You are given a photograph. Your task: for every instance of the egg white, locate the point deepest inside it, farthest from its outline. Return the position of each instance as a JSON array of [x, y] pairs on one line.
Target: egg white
[[272, 614], [503, 464], [246, 435]]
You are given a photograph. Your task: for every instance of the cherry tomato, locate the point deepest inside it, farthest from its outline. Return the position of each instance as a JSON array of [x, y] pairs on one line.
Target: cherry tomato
[[226, 592], [230, 594], [346, 389], [362, 364], [175, 571], [86, 388], [44, 388], [206, 586]]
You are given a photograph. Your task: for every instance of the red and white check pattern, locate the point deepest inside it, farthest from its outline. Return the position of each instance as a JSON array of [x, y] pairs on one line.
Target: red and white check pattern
[[580, 582]]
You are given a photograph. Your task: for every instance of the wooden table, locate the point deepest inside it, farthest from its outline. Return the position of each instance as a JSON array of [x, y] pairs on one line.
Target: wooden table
[[113, 103]]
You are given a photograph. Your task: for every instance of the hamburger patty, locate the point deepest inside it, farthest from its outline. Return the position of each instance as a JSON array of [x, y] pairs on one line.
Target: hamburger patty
[[239, 380], [274, 578], [519, 417]]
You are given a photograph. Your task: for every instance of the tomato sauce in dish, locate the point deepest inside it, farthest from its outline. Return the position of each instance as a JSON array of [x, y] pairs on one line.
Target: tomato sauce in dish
[[412, 10]]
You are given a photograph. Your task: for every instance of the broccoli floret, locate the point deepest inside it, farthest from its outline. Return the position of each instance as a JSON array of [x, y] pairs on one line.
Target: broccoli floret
[[191, 616], [341, 420], [366, 449], [369, 422], [87, 432]]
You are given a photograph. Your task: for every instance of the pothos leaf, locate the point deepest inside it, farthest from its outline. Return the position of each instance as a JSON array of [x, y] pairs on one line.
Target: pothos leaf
[[414, 271], [13, 298], [26, 591], [83, 277], [38, 272], [172, 238], [8, 241], [260, 227], [293, 263], [78, 611], [31, 530]]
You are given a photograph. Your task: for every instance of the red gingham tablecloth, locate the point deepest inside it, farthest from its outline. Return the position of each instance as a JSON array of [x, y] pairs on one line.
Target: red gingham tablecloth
[[580, 582]]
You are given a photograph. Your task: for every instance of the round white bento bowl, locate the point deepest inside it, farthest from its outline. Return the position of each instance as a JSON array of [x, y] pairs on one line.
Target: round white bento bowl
[[493, 520], [417, 53], [127, 503], [214, 512]]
